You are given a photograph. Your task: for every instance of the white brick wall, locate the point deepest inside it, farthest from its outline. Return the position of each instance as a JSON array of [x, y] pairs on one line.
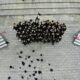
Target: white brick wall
[[50, 7]]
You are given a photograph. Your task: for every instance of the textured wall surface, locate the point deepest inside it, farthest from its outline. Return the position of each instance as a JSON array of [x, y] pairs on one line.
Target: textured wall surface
[[64, 56]]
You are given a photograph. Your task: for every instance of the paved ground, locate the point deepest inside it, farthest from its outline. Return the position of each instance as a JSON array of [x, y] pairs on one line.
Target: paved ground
[[64, 56]]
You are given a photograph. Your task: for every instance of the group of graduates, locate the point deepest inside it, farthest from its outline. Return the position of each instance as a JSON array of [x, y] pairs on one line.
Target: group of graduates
[[39, 31]]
